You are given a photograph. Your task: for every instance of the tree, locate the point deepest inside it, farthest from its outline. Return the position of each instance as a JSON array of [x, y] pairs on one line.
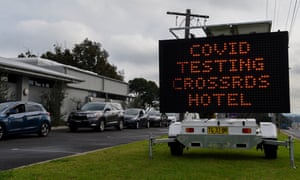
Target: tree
[[3, 88], [138, 85], [27, 54], [145, 91], [87, 55], [53, 101], [62, 56]]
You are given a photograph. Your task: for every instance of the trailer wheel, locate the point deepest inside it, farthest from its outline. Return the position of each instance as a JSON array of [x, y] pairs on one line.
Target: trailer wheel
[[270, 151], [176, 148]]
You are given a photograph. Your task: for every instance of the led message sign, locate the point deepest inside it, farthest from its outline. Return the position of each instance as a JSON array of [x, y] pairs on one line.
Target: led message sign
[[245, 73]]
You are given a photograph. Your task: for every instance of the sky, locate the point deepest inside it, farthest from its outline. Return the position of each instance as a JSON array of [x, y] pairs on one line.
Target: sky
[[130, 30]]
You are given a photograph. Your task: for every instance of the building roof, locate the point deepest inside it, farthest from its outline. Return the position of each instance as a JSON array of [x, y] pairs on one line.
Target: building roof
[[19, 67], [42, 62], [46, 63]]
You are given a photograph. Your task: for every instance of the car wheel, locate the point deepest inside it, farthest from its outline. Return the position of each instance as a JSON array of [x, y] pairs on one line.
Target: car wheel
[[137, 125], [120, 125], [101, 126], [44, 130], [148, 124], [1, 131]]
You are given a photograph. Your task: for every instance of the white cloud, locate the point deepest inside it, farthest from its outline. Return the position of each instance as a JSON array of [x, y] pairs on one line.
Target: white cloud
[[129, 30], [135, 44], [36, 31], [136, 54]]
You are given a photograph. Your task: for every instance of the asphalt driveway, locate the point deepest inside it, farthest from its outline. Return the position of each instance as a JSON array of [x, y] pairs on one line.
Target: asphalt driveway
[[23, 150]]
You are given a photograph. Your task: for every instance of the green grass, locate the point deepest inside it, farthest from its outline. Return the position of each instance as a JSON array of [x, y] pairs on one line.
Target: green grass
[[131, 161]]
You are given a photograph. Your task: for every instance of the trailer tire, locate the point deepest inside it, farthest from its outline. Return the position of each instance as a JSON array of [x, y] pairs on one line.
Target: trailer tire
[[176, 148], [270, 151]]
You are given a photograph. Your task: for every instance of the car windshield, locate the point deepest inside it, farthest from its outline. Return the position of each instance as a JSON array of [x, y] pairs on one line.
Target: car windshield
[[132, 111], [154, 113], [93, 107], [3, 106]]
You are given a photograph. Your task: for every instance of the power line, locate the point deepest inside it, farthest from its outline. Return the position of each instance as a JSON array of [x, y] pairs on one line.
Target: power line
[[267, 8], [188, 17], [274, 14], [288, 15], [295, 11]]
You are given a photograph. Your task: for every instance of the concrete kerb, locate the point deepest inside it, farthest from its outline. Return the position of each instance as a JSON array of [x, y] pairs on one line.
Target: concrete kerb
[[59, 127]]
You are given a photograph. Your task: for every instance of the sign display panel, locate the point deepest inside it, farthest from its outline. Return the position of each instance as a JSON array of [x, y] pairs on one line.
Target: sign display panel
[[244, 73]]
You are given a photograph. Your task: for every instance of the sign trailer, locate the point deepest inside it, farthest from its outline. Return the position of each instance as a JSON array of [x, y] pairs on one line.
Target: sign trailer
[[224, 74]]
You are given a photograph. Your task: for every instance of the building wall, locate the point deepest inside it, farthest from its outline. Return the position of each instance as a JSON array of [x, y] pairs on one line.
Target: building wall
[[12, 91], [36, 93], [16, 91], [91, 81], [94, 82], [115, 87]]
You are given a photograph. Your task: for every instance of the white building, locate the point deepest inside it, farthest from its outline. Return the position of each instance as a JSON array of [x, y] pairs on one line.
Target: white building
[[29, 78]]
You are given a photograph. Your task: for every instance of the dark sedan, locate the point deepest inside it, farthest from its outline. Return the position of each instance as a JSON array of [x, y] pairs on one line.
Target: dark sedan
[[155, 119], [135, 117], [19, 117]]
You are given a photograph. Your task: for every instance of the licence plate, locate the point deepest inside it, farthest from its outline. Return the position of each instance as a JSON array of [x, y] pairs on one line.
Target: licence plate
[[217, 130]]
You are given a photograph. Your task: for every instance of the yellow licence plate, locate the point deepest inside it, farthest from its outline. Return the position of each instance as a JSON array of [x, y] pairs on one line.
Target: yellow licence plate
[[217, 130]]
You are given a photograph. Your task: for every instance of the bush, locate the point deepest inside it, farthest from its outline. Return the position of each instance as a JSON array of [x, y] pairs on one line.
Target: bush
[[53, 102]]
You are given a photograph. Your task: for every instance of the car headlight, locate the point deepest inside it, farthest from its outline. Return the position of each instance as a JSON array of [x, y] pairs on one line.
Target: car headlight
[[93, 115]]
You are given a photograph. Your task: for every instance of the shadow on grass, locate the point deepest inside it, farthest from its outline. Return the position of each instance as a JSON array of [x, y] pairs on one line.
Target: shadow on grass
[[212, 154], [224, 155]]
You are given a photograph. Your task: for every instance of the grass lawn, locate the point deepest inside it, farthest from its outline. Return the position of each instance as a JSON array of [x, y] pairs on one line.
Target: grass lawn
[[131, 161]]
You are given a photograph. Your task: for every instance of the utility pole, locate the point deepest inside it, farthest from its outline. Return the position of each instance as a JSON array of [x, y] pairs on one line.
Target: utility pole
[[187, 27], [188, 16]]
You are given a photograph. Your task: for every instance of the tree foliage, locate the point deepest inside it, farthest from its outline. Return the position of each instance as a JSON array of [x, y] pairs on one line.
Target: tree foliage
[[87, 55], [27, 54], [145, 91], [3, 89], [53, 101]]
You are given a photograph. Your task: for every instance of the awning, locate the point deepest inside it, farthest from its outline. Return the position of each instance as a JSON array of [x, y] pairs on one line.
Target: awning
[[18, 67]]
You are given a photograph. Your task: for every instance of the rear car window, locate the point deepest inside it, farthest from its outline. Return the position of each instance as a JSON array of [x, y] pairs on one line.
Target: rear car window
[[33, 107], [93, 107]]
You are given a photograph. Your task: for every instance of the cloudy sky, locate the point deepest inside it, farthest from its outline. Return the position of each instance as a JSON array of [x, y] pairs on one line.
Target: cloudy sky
[[130, 29]]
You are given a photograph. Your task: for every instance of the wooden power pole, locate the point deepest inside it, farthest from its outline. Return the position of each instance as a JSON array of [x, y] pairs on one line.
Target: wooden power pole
[[187, 27], [188, 16]]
